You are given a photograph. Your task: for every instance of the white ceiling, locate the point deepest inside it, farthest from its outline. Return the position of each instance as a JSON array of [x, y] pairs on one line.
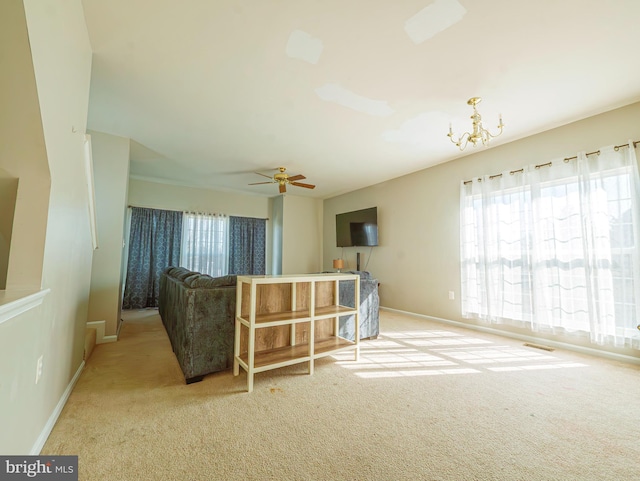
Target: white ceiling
[[347, 92]]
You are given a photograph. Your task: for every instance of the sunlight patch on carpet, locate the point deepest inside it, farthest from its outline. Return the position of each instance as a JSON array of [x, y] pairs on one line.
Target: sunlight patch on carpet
[[447, 342], [439, 352], [494, 354], [412, 373], [419, 334], [537, 367]]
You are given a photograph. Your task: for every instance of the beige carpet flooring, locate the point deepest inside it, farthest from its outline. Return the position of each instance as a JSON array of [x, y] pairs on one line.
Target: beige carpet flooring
[[426, 401]]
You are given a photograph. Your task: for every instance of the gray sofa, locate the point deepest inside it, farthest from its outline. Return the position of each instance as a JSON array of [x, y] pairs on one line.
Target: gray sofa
[[198, 312], [369, 307]]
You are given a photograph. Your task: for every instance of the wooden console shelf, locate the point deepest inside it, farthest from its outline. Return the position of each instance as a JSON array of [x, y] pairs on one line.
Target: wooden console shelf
[[285, 320]]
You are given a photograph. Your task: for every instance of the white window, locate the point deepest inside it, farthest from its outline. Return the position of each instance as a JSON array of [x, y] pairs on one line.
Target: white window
[[205, 243], [555, 247]]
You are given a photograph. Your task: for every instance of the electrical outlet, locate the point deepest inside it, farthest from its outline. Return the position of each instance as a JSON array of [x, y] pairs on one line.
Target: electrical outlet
[[452, 295], [39, 368]]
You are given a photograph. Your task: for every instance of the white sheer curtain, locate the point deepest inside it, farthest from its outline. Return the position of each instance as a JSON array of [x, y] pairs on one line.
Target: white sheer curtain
[[555, 246], [205, 243]]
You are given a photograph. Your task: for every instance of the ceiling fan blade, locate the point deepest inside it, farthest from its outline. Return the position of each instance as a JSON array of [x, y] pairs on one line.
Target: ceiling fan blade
[[296, 177], [258, 183], [283, 188], [306, 186], [263, 175]]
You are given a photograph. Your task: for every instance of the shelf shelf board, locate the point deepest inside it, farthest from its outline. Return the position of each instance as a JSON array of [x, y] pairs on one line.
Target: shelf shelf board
[[288, 278], [280, 318], [331, 345], [279, 357], [277, 318], [333, 311], [285, 356], [289, 317]]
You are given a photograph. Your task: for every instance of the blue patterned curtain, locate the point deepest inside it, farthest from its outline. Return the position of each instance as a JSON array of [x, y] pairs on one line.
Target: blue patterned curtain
[[247, 246], [154, 244]]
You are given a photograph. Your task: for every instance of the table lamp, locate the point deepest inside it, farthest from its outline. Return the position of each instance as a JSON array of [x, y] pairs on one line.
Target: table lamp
[[338, 264]]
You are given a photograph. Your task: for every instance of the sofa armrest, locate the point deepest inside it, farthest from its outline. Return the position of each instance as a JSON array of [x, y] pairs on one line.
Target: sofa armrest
[[369, 308]]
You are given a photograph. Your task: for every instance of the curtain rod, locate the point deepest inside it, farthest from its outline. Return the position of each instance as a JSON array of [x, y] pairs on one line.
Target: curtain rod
[[212, 214], [547, 164], [193, 212], [153, 208]]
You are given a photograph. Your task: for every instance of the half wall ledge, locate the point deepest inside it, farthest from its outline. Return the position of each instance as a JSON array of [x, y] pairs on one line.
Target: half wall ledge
[[15, 302]]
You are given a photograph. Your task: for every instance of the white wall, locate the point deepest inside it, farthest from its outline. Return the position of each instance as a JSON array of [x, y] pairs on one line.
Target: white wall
[[22, 155], [155, 195], [22, 149], [301, 235], [418, 260], [276, 232], [8, 194], [61, 56], [111, 172]]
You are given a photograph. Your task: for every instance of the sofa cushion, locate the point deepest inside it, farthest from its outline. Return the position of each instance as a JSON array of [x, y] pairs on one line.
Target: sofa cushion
[[180, 273], [208, 282], [190, 280], [364, 275]]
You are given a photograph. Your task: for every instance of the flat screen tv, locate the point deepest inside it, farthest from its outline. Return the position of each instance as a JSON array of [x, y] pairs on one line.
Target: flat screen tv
[[357, 228]]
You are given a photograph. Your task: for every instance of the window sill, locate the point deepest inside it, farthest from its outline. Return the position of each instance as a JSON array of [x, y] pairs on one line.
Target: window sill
[[14, 303]]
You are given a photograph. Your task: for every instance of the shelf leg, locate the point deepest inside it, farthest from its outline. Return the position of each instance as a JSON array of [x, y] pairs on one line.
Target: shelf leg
[[236, 350], [251, 359], [249, 382], [236, 339], [357, 318], [312, 326], [294, 307], [336, 302]]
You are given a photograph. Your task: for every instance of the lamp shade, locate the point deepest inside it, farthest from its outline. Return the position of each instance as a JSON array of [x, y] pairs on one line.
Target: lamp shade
[[338, 263]]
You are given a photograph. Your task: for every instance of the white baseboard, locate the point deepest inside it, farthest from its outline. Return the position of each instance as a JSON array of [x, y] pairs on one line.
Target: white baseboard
[[37, 447], [99, 326], [120, 323], [522, 337]]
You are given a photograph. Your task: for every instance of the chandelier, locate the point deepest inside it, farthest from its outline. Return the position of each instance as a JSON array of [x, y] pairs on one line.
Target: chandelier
[[479, 133]]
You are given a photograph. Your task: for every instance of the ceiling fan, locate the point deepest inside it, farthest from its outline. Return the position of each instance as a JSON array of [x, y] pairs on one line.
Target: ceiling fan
[[282, 178]]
